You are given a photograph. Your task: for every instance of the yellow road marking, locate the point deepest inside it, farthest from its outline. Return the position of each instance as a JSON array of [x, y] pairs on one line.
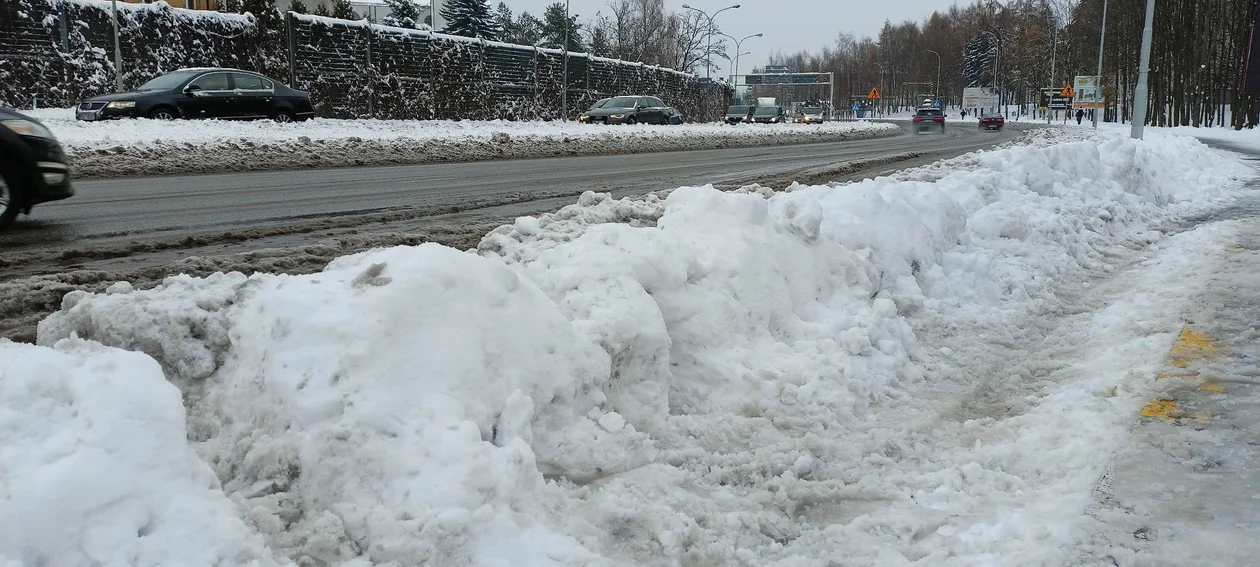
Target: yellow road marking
[[1191, 346], [1161, 409], [1214, 386]]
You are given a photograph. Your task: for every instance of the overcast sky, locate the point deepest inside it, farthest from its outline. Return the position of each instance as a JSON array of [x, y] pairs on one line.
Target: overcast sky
[[789, 25]]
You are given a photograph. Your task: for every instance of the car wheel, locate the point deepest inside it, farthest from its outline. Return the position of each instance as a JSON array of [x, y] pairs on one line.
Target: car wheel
[[283, 117], [162, 113], [631, 121], [8, 202]]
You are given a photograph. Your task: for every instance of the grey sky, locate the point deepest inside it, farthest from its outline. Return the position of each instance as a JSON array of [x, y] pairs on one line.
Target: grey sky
[[788, 25]]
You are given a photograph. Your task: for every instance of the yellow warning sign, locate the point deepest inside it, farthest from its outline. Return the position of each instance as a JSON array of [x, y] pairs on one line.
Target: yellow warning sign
[[1067, 91], [874, 94]]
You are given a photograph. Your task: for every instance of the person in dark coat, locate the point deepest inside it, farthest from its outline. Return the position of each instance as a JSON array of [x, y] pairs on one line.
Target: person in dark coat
[[1080, 115]]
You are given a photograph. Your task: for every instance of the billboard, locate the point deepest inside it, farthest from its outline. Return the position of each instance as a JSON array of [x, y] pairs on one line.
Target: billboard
[[1251, 59], [979, 97], [1088, 92], [1051, 99]]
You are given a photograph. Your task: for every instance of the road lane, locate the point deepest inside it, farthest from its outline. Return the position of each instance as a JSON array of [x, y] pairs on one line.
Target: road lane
[[187, 205]]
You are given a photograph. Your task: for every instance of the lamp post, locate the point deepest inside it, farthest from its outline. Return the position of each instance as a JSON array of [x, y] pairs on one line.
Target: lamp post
[[117, 49], [937, 85], [881, 89], [1144, 70], [564, 82], [1102, 41], [708, 53], [739, 42]]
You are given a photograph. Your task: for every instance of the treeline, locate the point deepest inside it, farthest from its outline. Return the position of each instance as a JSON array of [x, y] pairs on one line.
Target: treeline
[[1196, 59]]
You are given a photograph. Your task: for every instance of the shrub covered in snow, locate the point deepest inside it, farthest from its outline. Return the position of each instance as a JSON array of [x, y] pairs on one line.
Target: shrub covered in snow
[[61, 51]]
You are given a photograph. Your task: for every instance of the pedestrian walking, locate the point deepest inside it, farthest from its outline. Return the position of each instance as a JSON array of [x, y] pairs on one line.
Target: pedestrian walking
[[1080, 115], [964, 115]]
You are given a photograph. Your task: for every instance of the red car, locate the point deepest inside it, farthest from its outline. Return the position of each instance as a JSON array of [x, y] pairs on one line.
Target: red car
[[991, 121]]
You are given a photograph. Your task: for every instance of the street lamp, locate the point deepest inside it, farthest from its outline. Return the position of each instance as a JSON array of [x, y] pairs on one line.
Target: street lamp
[[564, 82], [937, 85], [739, 42], [1144, 69], [1102, 40], [708, 54]]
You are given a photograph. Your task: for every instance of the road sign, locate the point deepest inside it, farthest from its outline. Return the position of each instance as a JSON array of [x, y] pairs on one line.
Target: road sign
[[1067, 91], [980, 97], [776, 69], [1088, 93], [874, 94]]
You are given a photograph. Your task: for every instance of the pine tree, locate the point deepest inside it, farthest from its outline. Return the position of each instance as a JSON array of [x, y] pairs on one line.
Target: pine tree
[[528, 29], [298, 7], [470, 18], [342, 11], [553, 28], [600, 45], [506, 24], [402, 14], [265, 10], [321, 9]]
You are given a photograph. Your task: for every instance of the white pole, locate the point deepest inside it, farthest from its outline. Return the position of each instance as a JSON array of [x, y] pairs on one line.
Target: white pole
[[435, 15], [1102, 41], [1139, 97], [117, 49], [564, 82]]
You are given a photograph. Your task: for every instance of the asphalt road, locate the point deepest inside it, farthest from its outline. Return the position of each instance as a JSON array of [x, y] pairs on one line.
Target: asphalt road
[[127, 209]]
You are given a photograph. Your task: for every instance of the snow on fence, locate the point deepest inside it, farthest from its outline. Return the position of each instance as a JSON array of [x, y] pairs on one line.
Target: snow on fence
[[56, 52]]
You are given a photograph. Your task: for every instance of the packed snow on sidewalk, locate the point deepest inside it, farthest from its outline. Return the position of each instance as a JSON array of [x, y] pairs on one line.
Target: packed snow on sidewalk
[[132, 147], [706, 379]]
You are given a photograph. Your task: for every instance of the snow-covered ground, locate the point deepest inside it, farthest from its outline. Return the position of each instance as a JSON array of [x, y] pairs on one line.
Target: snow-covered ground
[[124, 148], [932, 368]]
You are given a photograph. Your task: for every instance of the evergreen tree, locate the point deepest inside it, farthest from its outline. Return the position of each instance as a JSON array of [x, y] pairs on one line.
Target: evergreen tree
[[600, 45], [265, 10], [298, 7], [528, 30], [470, 18], [506, 24], [321, 9], [553, 28], [402, 14], [342, 11]]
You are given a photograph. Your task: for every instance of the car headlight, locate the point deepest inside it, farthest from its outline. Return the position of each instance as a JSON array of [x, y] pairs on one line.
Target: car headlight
[[26, 128], [614, 116], [121, 104]]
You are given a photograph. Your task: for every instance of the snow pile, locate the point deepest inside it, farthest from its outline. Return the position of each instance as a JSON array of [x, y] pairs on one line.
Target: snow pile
[[699, 379], [95, 467], [124, 148]]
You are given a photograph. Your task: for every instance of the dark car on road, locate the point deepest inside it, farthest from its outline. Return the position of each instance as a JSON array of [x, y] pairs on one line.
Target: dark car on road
[[991, 121], [737, 114], [230, 94], [769, 115], [812, 115], [33, 167], [928, 119], [629, 110]]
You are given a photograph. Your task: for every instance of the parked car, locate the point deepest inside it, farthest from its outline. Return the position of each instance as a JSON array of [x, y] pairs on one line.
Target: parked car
[[203, 93], [33, 167], [738, 113], [812, 115], [769, 115], [599, 103], [990, 120], [674, 116], [632, 109], [927, 119]]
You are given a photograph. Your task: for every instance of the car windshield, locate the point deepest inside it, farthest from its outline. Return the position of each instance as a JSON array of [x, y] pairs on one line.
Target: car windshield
[[813, 110], [600, 103], [990, 115], [766, 111], [737, 110], [168, 81], [929, 112], [622, 102]]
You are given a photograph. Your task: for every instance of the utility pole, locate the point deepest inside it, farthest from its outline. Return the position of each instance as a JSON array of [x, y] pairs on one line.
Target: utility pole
[[1102, 41], [117, 49], [564, 83], [1140, 95], [936, 87]]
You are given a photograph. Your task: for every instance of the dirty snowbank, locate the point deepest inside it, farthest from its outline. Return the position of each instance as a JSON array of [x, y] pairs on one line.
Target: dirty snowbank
[[648, 381], [131, 148]]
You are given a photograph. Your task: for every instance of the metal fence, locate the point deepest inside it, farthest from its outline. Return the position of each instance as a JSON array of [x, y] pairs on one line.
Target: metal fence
[[56, 52]]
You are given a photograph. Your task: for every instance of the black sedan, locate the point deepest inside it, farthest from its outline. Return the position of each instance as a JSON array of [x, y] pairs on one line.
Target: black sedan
[[203, 93], [629, 110], [33, 167]]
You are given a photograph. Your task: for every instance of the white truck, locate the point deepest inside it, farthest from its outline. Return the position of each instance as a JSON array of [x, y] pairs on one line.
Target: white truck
[[767, 101]]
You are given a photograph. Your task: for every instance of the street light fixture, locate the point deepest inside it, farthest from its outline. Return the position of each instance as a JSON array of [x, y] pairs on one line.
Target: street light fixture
[[739, 42], [708, 54], [937, 86]]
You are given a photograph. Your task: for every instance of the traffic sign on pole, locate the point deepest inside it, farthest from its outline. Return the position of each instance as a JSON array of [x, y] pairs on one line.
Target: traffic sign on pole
[[1067, 91], [874, 94]]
